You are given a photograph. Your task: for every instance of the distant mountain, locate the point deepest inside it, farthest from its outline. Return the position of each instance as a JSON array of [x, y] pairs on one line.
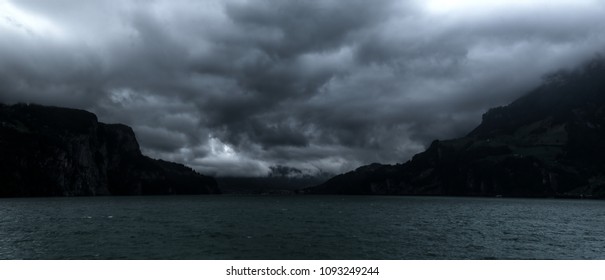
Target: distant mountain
[[50, 151], [267, 185], [548, 143], [280, 180]]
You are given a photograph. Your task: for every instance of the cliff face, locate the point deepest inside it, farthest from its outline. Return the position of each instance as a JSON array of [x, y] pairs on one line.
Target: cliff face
[[551, 142], [49, 151]]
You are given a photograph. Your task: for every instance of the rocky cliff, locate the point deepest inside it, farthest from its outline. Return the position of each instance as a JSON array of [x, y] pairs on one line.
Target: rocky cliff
[[50, 151], [549, 143]]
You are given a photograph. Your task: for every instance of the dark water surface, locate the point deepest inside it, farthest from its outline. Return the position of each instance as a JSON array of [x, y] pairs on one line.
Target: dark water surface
[[300, 227]]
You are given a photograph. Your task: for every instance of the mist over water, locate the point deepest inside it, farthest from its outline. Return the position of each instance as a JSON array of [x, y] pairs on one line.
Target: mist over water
[[300, 227]]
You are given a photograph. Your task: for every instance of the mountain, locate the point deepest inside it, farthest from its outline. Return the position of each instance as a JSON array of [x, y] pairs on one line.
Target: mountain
[[50, 151], [548, 143], [280, 180]]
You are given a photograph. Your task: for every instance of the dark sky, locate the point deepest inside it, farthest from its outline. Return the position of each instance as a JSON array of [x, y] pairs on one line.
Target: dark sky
[[233, 87]]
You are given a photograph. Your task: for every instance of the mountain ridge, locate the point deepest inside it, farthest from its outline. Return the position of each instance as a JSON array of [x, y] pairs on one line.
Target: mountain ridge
[[54, 151], [548, 143]]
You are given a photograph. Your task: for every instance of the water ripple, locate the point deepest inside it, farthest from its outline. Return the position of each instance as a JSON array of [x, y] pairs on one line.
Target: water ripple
[[300, 227]]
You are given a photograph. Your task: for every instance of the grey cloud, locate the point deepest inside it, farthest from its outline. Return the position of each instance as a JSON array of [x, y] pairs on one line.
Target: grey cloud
[[236, 87], [307, 26], [160, 139]]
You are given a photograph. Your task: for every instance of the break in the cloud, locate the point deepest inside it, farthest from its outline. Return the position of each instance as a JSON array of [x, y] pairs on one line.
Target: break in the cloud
[[234, 87]]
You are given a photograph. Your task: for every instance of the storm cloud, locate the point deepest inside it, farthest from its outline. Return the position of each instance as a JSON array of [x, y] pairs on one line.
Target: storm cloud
[[235, 87]]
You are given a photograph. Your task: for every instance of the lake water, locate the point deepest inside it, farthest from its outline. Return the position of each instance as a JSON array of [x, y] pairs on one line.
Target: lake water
[[300, 227]]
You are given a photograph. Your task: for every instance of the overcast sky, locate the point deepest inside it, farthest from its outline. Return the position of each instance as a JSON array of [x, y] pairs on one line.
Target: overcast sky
[[233, 87]]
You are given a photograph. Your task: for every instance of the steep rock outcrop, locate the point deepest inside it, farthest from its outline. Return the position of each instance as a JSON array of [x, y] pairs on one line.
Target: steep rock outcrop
[[50, 151], [548, 143]]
